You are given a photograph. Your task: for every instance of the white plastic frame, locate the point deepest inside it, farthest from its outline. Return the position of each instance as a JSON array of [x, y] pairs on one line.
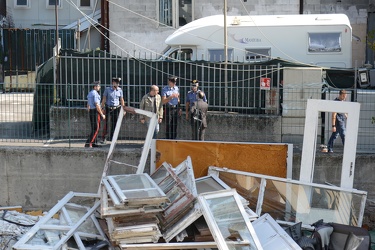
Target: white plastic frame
[[309, 139], [214, 228]]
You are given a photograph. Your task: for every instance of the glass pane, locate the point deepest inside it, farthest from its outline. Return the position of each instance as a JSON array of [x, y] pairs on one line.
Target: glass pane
[[22, 2], [208, 185], [246, 186], [217, 55], [141, 193], [167, 184], [44, 238], [258, 54], [129, 182], [324, 42], [85, 3], [160, 174], [230, 221], [294, 202]]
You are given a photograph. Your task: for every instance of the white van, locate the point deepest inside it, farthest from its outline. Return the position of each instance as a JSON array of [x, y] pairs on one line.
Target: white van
[[318, 39]]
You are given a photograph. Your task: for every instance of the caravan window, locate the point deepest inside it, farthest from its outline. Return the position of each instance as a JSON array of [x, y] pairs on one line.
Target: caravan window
[[324, 42], [181, 54], [217, 55], [263, 54]]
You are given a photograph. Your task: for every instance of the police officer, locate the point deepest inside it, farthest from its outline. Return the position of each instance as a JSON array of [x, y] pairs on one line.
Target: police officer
[[171, 99], [95, 113], [191, 99], [113, 100]]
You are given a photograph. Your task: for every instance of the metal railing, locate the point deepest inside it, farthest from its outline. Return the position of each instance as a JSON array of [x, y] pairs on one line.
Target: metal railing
[[240, 109], [40, 116]]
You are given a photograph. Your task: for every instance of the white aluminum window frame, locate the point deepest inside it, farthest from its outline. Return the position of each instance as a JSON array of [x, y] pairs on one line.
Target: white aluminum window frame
[[314, 106], [67, 231], [146, 146], [272, 236], [50, 6], [22, 6], [108, 208], [306, 189], [213, 226], [118, 195]]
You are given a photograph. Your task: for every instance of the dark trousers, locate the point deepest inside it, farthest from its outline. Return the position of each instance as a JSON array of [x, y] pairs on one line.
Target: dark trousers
[[171, 118], [111, 114], [340, 130], [198, 130], [95, 126]]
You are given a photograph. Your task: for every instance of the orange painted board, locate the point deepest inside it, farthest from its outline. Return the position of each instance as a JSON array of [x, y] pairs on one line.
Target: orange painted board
[[267, 159]]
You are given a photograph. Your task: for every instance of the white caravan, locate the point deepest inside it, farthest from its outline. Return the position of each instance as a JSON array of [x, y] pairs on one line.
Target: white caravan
[[319, 39]]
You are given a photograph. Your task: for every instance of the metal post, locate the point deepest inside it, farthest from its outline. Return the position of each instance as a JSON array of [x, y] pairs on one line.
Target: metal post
[[57, 47], [225, 56]]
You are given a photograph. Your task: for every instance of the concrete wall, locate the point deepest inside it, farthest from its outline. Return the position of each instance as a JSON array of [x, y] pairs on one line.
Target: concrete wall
[[36, 178], [74, 122]]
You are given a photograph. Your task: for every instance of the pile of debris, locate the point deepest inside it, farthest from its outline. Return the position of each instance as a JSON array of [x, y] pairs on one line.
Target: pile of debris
[[170, 209]]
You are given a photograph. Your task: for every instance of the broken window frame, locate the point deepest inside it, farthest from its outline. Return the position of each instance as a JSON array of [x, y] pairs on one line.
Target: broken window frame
[[123, 197], [210, 217], [305, 189], [170, 183], [251, 214], [185, 172], [272, 235], [108, 209], [146, 146], [66, 230]]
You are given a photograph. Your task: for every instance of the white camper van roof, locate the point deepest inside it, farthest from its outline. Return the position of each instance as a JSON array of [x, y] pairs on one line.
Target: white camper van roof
[[210, 24]]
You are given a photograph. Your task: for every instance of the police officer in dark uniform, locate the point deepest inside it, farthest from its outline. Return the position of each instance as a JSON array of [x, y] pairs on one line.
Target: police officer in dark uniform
[[191, 99], [171, 99], [95, 113]]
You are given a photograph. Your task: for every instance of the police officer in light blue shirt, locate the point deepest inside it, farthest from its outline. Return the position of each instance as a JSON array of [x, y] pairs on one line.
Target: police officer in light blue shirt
[[171, 99], [95, 113], [113, 99]]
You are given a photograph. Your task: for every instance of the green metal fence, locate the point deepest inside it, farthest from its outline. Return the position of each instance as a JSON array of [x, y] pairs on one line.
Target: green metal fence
[[245, 111]]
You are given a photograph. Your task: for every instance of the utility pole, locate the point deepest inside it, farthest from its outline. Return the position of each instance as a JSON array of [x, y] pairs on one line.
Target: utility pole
[[56, 52], [225, 57]]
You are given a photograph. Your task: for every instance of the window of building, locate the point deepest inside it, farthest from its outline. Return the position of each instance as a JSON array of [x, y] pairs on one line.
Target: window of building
[[257, 55], [21, 4], [324, 42], [175, 13], [51, 4], [84, 3]]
